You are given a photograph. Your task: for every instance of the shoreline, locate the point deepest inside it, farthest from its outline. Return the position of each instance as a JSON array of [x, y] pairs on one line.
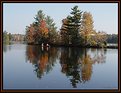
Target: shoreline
[[55, 45], [78, 46]]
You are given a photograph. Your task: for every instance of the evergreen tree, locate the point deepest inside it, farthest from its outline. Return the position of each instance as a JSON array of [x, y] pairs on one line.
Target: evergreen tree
[[40, 16], [52, 34], [71, 26], [64, 32]]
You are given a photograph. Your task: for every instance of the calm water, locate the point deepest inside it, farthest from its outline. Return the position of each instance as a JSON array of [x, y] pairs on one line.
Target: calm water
[[33, 67]]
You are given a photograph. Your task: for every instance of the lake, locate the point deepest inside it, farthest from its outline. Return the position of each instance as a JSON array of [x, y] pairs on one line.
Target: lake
[[34, 67]]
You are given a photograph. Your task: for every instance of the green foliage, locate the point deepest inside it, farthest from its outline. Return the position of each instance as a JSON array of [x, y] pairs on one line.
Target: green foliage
[[6, 38], [112, 38], [71, 26], [40, 16], [52, 30]]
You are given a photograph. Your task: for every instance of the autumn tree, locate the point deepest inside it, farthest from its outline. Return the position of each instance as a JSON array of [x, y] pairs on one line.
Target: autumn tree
[[43, 30], [87, 29], [101, 38], [89, 35], [30, 33], [37, 32]]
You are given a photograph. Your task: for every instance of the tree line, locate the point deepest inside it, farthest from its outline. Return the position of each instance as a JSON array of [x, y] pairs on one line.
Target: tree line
[[9, 37], [77, 30], [6, 37], [112, 38]]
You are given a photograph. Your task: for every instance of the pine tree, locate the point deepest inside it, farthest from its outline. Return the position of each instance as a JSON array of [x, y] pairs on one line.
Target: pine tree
[[71, 26], [52, 34], [64, 32]]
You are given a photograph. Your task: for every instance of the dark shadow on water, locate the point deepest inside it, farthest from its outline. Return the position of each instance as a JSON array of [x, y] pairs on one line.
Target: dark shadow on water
[[76, 63]]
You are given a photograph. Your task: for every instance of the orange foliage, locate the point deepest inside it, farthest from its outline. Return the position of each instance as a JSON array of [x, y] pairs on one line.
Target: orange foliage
[[30, 54], [43, 62], [44, 30]]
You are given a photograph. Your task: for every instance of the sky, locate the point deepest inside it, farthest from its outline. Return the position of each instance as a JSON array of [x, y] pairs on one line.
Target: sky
[[16, 16]]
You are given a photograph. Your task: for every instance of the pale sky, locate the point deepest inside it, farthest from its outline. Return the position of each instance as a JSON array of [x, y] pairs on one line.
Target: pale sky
[[16, 16]]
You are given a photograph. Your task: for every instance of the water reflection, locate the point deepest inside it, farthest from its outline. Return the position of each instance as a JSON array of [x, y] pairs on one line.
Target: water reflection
[[70, 64], [6, 47], [86, 68], [76, 63], [42, 58]]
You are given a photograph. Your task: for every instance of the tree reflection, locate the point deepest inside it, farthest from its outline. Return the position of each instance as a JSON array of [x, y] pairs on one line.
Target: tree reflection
[[42, 58], [77, 64], [86, 68], [99, 56], [70, 65], [6, 48]]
